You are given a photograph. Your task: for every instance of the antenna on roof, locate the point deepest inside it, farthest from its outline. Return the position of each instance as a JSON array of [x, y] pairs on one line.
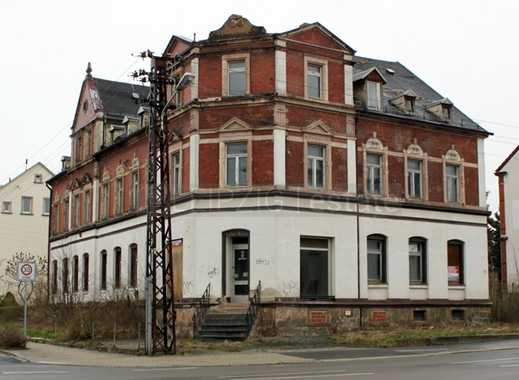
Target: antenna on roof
[[26, 163], [194, 37], [89, 71]]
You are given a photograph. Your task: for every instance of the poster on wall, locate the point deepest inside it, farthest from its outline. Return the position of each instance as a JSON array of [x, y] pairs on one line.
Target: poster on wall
[[454, 273]]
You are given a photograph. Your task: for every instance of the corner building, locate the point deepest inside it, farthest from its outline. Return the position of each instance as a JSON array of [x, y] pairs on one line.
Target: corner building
[[350, 188]]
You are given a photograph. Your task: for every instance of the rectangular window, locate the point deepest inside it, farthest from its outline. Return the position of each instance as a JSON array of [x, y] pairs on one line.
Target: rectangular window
[[104, 263], [452, 183], [65, 214], [87, 212], [86, 271], [414, 178], [376, 260], [314, 271], [236, 164], [46, 206], [105, 203], [54, 276], [7, 207], [316, 165], [26, 205], [237, 78], [75, 274], [455, 263], [119, 196], [314, 80], [38, 178], [133, 266], [117, 267], [417, 262], [373, 95], [76, 206], [64, 274], [135, 190], [374, 172], [177, 173]]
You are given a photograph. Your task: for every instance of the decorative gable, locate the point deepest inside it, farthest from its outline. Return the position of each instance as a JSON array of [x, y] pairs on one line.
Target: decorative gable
[[236, 26], [235, 125], [317, 127], [317, 34]]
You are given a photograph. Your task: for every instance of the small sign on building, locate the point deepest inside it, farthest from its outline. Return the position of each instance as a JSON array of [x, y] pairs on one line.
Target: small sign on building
[[318, 317], [26, 272], [378, 316]]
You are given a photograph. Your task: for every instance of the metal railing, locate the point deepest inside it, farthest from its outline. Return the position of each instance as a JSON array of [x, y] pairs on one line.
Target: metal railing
[[201, 310], [254, 302]]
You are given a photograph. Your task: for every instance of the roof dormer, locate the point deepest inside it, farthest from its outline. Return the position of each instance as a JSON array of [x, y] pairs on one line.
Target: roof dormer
[[441, 108], [367, 87], [405, 101]]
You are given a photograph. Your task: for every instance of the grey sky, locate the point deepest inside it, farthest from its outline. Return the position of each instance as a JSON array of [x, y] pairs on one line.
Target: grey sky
[[466, 50]]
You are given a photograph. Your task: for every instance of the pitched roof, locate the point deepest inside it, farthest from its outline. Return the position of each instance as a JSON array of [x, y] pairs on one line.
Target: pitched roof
[[119, 98], [38, 164], [400, 79], [510, 156]]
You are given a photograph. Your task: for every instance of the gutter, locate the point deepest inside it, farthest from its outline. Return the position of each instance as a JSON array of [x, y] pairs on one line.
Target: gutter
[[48, 241]]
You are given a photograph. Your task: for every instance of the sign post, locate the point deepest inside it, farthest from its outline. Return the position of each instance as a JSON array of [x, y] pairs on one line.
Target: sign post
[[26, 276]]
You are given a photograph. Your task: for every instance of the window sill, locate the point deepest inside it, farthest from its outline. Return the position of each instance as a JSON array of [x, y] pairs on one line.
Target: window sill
[[456, 287], [6, 212], [418, 286], [377, 286], [26, 213], [45, 214]]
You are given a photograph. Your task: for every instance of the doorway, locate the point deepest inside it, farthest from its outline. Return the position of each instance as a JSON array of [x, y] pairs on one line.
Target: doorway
[[314, 268], [236, 257]]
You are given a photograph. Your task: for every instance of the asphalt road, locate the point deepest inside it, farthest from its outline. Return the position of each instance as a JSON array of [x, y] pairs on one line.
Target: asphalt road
[[418, 364]]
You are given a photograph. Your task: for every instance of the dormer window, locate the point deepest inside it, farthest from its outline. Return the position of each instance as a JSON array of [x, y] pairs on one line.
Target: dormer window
[[446, 112], [441, 109], [409, 104], [373, 89], [38, 178]]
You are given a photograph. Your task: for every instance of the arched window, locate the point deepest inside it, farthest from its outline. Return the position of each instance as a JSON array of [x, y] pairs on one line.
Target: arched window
[[86, 271], [54, 276], [132, 275], [377, 262], [117, 267], [64, 274], [455, 262], [417, 260], [75, 273], [103, 269]]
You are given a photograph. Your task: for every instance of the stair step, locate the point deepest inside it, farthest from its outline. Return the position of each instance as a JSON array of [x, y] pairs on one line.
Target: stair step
[[224, 329]]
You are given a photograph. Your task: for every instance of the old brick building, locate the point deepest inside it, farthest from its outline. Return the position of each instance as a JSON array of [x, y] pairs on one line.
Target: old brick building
[[346, 185]]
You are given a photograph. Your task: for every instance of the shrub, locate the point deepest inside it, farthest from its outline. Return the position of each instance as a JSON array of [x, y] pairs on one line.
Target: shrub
[[11, 338]]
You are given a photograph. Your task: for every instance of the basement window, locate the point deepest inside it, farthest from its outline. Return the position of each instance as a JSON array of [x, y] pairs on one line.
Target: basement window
[[458, 315], [419, 315]]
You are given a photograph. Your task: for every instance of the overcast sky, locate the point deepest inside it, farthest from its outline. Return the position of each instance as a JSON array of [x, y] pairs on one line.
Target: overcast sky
[[466, 50]]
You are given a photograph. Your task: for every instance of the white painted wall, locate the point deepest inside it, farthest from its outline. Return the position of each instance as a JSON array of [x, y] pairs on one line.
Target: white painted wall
[[20, 232], [512, 218], [274, 247]]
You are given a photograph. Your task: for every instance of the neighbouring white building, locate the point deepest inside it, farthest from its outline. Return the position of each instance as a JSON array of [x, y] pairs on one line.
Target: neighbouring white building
[[508, 174], [24, 218]]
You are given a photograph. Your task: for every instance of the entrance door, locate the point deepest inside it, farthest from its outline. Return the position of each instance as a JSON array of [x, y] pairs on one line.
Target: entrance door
[[240, 272], [314, 268]]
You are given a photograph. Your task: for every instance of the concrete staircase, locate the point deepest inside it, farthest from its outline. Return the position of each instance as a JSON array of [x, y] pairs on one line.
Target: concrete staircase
[[226, 321]]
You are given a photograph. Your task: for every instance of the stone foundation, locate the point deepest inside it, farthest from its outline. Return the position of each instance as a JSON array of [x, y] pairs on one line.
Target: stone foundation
[[306, 319]]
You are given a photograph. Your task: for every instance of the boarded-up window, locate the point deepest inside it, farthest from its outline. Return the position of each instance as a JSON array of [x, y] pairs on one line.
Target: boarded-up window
[[177, 269]]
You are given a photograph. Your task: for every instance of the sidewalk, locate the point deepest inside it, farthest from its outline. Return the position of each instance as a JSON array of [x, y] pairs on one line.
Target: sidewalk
[[52, 354]]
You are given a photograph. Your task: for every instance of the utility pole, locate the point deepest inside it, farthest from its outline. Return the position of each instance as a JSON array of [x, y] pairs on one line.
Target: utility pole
[[159, 292]]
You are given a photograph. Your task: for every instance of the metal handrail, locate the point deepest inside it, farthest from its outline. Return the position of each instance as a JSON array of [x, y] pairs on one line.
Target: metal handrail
[[254, 301], [201, 311]]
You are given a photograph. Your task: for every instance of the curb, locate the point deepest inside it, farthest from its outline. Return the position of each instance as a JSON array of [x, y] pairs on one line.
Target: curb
[[470, 339], [15, 356]]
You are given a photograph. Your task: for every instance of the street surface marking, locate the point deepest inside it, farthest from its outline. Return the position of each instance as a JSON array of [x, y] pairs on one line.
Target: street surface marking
[[34, 372], [486, 360], [162, 369], [314, 376], [509, 365], [255, 376]]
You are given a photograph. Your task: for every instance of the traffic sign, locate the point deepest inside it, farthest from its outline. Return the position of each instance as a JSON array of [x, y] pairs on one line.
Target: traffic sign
[[27, 272]]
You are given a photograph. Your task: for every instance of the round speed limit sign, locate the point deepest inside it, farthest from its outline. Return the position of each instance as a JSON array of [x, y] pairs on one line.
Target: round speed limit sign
[[26, 271]]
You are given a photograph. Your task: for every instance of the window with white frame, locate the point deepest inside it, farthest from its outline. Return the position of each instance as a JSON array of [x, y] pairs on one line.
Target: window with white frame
[[7, 207], [135, 190], [316, 165], [373, 89], [452, 182], [176, 172], [414, 178], [46, 206], [237, 77], [119, 195], [236, 164], [26, 205], [374, 173], [314, 80], [417, 261], [376, 258]]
